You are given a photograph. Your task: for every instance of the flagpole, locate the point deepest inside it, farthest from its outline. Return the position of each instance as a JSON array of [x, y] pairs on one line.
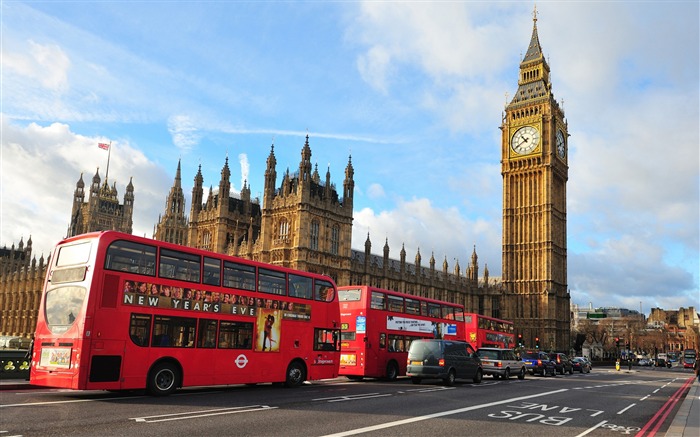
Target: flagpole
[[109, 153]]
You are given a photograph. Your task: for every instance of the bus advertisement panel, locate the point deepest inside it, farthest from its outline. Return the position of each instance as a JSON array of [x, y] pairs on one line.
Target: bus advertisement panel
[[121, 312], [379, 325], [483, 331]]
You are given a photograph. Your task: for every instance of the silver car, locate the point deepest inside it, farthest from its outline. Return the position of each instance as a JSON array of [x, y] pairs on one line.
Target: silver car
[[501, 363]]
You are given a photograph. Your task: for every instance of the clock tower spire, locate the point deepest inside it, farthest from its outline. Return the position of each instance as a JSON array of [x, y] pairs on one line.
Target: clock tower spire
[[534, 166]]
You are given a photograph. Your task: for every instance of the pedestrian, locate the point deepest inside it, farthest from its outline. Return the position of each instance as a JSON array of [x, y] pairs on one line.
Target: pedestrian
[[696, 368]]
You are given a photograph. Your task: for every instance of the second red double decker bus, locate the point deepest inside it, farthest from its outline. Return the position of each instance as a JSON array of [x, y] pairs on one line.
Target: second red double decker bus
[[484, 331], [379, 325]]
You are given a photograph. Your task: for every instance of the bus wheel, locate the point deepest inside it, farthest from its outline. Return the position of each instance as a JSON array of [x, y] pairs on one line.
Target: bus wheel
[[296, 374], [392, 371], [163, 379]]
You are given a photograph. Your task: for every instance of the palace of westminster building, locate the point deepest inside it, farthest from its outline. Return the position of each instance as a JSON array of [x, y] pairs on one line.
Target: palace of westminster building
[[304, 222]]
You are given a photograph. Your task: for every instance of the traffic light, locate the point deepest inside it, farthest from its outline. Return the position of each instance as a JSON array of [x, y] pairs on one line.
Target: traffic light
[[617, 341], [520, 340], [537, 342]]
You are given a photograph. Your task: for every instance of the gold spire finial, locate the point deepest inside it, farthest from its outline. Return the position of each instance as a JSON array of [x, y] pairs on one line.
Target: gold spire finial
[[534, 14]]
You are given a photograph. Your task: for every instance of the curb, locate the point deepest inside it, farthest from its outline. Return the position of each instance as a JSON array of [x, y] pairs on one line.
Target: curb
[[680, 423]]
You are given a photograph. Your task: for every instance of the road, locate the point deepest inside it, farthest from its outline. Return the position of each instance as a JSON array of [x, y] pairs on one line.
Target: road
[[603, 403]]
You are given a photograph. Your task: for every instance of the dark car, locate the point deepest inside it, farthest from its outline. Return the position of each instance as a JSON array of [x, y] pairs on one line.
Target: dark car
[[443, 359], [539, 363], [581, 365], [562, 363]]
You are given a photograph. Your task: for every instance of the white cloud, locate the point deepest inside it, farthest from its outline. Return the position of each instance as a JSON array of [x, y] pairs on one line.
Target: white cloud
[[184, 133], [45, 64], [375, 191], [373, 67], [416, 224], [39, 168], [245, 168]]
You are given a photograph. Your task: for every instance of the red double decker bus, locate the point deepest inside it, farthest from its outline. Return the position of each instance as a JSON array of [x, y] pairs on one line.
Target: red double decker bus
[[123, 312], [483, 331], [379, 325]]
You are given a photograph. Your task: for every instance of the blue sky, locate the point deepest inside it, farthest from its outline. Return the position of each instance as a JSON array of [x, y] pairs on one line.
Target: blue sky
[[413, 91]]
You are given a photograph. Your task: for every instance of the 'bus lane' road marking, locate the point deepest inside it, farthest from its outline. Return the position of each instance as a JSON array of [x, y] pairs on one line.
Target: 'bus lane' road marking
[[204, 413], [440, 414]]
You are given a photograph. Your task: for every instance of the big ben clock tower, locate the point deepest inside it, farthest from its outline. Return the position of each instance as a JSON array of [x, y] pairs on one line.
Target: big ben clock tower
[[534, 166]]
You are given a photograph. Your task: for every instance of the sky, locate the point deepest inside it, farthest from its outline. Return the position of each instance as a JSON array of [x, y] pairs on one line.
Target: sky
[[413, 92]]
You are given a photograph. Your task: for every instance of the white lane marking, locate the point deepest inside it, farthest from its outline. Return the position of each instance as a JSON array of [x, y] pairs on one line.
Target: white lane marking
[[34, 404], [204, 413], [626, 408], [592, 429], [644, 398], [440, 414]]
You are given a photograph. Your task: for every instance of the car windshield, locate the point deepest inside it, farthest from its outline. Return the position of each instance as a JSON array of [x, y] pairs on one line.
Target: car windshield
[[532, 356], [424, 349], [485, 353]]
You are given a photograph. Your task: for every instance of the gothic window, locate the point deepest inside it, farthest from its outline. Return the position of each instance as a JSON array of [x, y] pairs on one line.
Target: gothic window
[[495, 307], [481, 304], [335, 239], [284, 229], [206, 240], [314, 235]]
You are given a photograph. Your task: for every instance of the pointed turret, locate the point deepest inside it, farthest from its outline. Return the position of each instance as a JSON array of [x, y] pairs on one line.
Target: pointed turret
[[305, 164], [270, 178], [224, 188], [349, 184], [197, 195]]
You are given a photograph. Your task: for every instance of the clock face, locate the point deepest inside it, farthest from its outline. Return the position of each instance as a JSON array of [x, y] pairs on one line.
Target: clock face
[[561, 145], [525, 140]]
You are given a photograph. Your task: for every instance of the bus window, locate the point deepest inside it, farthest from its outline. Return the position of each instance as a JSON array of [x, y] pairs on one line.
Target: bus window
[[239, 276], [378, 301], [235, 335], [127, 256], [139, 329], [270, 281], [300, 286], [207, 333], [212, 271], [448, 312], [395, 304], [382, 340], [324, 291], [173, 332], [434, 310], [412, 306], [179, 265], [396, 343], [63, 305], [326, 340]]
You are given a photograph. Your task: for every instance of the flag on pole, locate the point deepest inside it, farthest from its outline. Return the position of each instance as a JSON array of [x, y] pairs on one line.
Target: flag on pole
[[103, 146]]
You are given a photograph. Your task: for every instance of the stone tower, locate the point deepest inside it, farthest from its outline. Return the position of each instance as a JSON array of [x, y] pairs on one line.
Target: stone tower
[[172, 225], [534, 166], [306, 225], [223, 223], [102, 211]]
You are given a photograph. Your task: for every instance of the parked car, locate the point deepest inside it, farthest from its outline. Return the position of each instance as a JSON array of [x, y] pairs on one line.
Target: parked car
[[539, 363], [562, 363], [645, 362], [581, 365], [586, 359], [443, 359], [501, 363]]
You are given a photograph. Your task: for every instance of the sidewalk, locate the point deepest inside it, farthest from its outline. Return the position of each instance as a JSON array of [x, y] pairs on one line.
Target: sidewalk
[[687, 420]]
